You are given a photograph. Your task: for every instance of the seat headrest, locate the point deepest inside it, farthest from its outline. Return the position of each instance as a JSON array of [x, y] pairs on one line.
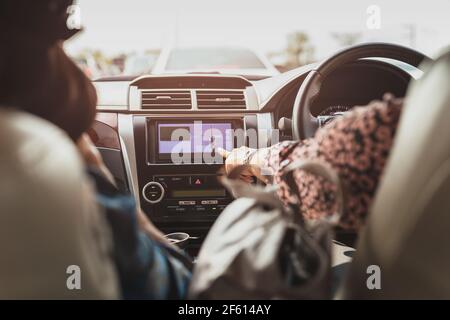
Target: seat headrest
[[406, 233]]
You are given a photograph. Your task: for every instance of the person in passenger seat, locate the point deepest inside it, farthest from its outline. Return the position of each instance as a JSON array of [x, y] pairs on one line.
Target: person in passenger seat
[[356, 145], [36, 76]]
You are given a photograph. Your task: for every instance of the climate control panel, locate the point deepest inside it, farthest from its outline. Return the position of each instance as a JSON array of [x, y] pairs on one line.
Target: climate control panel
[[199, 196]]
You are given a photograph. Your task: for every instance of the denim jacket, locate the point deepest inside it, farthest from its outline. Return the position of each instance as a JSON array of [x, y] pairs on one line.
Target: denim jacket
[[146, 268]]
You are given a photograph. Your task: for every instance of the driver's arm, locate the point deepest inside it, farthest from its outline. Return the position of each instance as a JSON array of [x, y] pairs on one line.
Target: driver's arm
[[356, 145]]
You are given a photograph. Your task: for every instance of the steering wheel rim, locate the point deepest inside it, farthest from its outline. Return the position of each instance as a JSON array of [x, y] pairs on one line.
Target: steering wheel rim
[[304, 124]]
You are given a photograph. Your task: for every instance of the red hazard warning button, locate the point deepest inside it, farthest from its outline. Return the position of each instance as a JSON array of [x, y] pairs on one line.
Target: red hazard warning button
[[197, 181]]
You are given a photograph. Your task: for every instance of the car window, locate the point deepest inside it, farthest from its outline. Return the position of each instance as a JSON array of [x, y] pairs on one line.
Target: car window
[[139, 65], [250, 37], [213, 58]]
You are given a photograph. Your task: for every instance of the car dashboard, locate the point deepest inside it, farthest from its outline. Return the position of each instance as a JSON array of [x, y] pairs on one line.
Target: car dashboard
[[137, 116]]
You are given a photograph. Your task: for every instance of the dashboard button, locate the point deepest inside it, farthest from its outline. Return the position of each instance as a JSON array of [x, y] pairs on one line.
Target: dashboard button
[[153, 192], [199, 209], [161, 179], [186, 203], [198, 181], [210, 201], [179, 180], [173, 180]]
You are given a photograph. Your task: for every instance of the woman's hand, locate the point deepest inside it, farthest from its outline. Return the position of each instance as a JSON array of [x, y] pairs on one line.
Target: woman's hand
[[253, 158], [92, 156], [150, 229], [88, 151]]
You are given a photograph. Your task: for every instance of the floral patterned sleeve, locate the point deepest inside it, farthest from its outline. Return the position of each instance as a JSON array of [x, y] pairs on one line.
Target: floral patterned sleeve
[[356, 145]]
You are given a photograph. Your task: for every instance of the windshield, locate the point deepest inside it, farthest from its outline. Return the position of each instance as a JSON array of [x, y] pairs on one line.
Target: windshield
[[238, 36], [213, 58], [137, 65]]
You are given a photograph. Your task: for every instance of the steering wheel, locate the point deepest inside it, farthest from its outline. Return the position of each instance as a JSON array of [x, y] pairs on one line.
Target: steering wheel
[[304, 124]]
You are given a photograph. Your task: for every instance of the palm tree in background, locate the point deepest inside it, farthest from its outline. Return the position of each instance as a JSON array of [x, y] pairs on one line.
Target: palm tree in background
[[346, 39], [299, 49]]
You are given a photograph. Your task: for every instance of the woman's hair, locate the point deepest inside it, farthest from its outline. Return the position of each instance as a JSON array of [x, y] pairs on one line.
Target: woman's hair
[[35, 74]]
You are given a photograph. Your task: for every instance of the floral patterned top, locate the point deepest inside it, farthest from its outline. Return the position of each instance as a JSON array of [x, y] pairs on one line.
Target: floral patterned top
[[356, 145]]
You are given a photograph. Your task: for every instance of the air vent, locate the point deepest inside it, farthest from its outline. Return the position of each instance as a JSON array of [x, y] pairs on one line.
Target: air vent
[[223, 99], [166, 99]]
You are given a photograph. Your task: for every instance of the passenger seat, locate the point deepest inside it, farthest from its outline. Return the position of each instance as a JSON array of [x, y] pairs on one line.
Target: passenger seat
[[49, 219], [408, 231]]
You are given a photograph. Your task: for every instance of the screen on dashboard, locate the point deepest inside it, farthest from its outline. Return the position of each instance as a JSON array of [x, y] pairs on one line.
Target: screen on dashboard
[[193, 137]]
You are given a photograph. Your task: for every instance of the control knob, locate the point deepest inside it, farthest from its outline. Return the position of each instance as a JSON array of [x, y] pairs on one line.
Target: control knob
[[153, 192]]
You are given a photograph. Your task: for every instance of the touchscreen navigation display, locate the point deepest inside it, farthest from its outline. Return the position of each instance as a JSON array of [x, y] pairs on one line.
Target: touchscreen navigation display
[[193, 137]]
